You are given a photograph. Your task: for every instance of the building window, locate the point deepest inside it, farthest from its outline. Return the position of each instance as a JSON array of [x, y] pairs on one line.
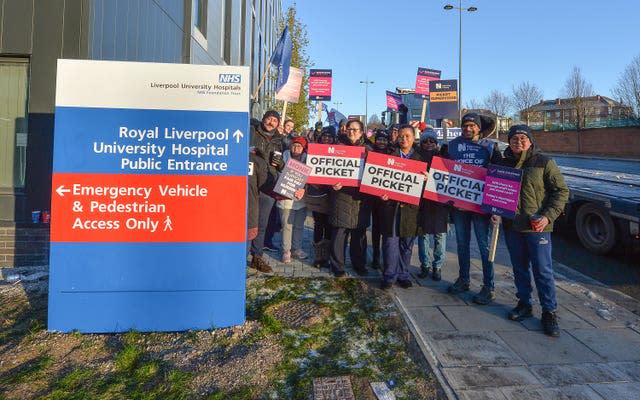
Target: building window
[[14, 89], [201, 16], [227, 32]]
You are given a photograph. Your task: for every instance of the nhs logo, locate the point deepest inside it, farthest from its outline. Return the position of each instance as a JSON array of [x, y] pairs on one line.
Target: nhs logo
[[229, 78]]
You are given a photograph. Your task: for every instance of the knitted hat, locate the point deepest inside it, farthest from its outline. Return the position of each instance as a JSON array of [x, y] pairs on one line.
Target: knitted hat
[[271, 113], [381, 133], [520, 129], [301, 141], [428, 133], [472, 117]]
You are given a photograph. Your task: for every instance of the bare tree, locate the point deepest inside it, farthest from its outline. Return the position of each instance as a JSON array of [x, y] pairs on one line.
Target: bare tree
[[523, 97], [628, 86], [473, 104], [498, 102], [577, 89], [373, 120]]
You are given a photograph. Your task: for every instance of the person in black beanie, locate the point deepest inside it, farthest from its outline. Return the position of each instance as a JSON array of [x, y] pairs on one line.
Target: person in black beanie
[[266, 142], [471, 148], [381, 145], [543, 195]]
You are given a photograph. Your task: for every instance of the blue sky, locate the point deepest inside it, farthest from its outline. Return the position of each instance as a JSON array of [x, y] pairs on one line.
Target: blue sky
[[505, 42]]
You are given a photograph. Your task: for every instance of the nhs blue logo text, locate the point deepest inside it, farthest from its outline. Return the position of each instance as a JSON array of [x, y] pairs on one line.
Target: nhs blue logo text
[[229, 78]]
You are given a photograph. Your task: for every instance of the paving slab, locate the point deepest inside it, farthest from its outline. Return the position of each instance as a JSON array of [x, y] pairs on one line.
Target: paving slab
[[489, 377], [603, 314], [618, 390], [430, 319], [566, 320], [459, 349], [480, 318], [427, 297], [490, 394], [630, 369], [570, 374], [579, 392], [538, 348], [612, 344]]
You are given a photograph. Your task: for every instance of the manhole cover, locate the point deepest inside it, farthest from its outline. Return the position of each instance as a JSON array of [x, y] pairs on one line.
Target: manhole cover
[[298, 314], [332, 388]]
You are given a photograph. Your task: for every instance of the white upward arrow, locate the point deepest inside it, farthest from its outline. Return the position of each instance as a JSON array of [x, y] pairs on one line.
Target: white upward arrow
[[61, 190], [238, 135]]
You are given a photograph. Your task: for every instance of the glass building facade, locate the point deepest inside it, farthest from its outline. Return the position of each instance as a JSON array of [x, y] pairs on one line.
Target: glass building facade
[[35, 33]]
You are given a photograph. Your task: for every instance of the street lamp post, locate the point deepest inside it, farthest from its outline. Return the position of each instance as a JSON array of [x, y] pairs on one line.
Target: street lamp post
[[460, 10], [366, 102]]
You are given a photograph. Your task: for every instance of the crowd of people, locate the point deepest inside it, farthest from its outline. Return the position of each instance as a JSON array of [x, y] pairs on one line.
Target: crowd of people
[[342, 214]]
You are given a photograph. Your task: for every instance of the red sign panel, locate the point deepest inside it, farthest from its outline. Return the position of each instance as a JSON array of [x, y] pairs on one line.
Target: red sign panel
[[423, 78], [147, 208], [399, 178], [456, 183], [320, 84], [335, 164]]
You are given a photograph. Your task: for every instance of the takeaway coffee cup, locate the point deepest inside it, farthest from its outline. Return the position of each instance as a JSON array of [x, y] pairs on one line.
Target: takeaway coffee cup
[[534, 220], [35, 216]]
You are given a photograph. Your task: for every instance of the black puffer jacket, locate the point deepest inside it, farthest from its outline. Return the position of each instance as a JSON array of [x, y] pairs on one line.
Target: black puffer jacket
[[349, 208], [434, 216], [258, 181], [392, 210]]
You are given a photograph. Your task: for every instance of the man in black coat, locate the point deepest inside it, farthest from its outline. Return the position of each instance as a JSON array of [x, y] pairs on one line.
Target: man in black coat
[[350, 212], [433, 217], [266, 142]]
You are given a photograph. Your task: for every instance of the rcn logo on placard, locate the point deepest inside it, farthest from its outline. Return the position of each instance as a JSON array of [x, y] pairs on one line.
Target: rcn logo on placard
[[391, 161], [331, 150], [457, 168], [229, 78]]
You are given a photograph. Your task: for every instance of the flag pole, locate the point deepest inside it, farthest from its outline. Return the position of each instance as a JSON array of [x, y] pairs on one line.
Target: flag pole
[[255, 95], [424, 110], [284, 112], [494, 239], [320, 111]]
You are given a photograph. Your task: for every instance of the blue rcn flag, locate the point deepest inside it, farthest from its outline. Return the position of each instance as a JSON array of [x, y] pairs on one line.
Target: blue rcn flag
[[281, 57]]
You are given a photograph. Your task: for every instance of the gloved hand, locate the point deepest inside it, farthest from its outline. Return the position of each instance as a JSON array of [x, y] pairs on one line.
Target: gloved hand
[[277, 160]]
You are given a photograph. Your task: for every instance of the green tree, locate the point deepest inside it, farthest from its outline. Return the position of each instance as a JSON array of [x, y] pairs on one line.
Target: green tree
[[298, 112]]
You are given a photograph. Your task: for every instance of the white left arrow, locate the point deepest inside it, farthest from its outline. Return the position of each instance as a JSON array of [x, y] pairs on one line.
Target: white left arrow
[[238, 135], [61, 190]]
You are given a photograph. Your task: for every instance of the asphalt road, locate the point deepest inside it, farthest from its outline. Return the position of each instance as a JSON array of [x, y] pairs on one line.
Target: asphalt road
[[619, 271]]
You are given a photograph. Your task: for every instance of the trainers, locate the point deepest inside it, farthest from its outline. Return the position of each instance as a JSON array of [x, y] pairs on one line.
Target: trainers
[[286, 257], [521, 311], [458, 286], [405, 283], [384, 285], [550, 324], [338, 273], [437, 274], [258, 263], [300, 254], [485, 296], [424, 272]]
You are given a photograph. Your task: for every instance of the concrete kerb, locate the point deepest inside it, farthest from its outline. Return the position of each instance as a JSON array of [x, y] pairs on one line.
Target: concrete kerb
[[427, 351]]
